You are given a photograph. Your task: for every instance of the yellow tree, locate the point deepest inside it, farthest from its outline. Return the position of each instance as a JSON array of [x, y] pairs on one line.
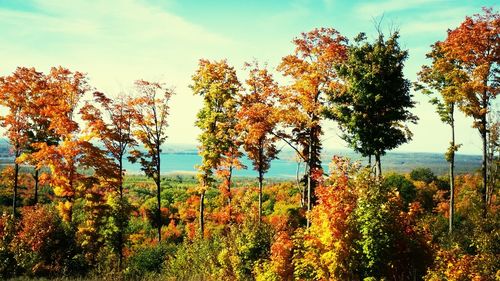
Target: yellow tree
[[442, 76], [258, 119], [312, 68], [474, 47], [150, 112], [217, 84]]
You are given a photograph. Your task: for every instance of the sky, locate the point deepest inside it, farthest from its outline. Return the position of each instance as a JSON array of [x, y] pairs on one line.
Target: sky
[[119, 41]]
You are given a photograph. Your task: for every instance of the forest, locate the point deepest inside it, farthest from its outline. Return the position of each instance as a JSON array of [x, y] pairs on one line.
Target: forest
[[70, 211]]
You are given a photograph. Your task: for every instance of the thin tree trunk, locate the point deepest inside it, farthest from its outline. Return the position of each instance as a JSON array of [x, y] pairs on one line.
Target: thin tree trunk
[[14, 196], [202, 209], [484, 168], [378, 163], [158, 194], [303, 189], [120, 223], [261, 177], [36, 179], [452, 174], [229, 184], [309, 178]]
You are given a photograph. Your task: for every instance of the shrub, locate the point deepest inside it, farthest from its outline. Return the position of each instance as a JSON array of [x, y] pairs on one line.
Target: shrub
[[7, 261], [404, 186], [423, 174], [149, 259], [44, 246]]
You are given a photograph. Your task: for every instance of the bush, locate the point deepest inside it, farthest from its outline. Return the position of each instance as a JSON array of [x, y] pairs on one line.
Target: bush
[[423, 174], [404, 186], [44, 246], [7, 261], [149, 259], [195, 260]]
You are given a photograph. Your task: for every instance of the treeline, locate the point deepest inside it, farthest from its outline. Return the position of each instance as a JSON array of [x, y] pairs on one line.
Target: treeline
[[360, 85]]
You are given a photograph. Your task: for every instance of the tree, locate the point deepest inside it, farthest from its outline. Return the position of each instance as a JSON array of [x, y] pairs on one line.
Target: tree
[[59, 103], [15, 92], [443, 77], [150, 112], [474, 48], [112, 125], [39, 129], [312, 68], [371, 107], [217, 84], [257, 118]]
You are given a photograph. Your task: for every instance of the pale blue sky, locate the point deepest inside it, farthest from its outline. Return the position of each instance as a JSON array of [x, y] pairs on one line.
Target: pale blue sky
[[119, 41]]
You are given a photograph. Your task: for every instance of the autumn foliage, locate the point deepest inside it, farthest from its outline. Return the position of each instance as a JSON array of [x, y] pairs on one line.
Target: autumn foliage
[[70, 208]]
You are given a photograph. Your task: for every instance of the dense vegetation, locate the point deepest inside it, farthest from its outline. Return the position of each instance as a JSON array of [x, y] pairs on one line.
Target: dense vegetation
[[70, 211]]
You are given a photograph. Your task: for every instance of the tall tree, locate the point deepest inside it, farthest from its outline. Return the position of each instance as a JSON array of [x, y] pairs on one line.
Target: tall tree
[[39, 129], [217, 84], [372, 106], [58, 104], [111, 123], [312, 68], [474, 46], [258, 119], [442, 77], [150, 112], [15, 92]]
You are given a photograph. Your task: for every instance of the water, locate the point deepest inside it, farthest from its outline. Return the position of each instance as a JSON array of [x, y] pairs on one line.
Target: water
[[286, 167]]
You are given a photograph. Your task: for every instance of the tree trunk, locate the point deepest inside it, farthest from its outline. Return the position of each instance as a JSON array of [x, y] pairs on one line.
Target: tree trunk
[[303, 190], [309, 182], [452, 174], [14, 196], [36, 179], [261, 177], [229, 184], [378, 164], [484, 167], [158, 192], [202, 209], [120, 223]]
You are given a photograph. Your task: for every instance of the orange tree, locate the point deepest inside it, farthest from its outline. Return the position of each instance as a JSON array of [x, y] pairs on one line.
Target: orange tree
[[111, 123], [312, 69], [59, 103], [474, 48], [16, 93], [258, 120], [150, 112]]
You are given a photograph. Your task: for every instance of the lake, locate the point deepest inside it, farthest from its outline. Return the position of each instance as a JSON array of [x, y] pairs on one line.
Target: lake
[[286, 167]]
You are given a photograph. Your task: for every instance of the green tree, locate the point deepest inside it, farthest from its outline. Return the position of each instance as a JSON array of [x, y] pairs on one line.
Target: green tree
[[372, 106], [217, 84]]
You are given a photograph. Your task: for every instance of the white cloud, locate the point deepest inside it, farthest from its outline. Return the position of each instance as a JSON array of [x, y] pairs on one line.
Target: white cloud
[[115, 42]]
